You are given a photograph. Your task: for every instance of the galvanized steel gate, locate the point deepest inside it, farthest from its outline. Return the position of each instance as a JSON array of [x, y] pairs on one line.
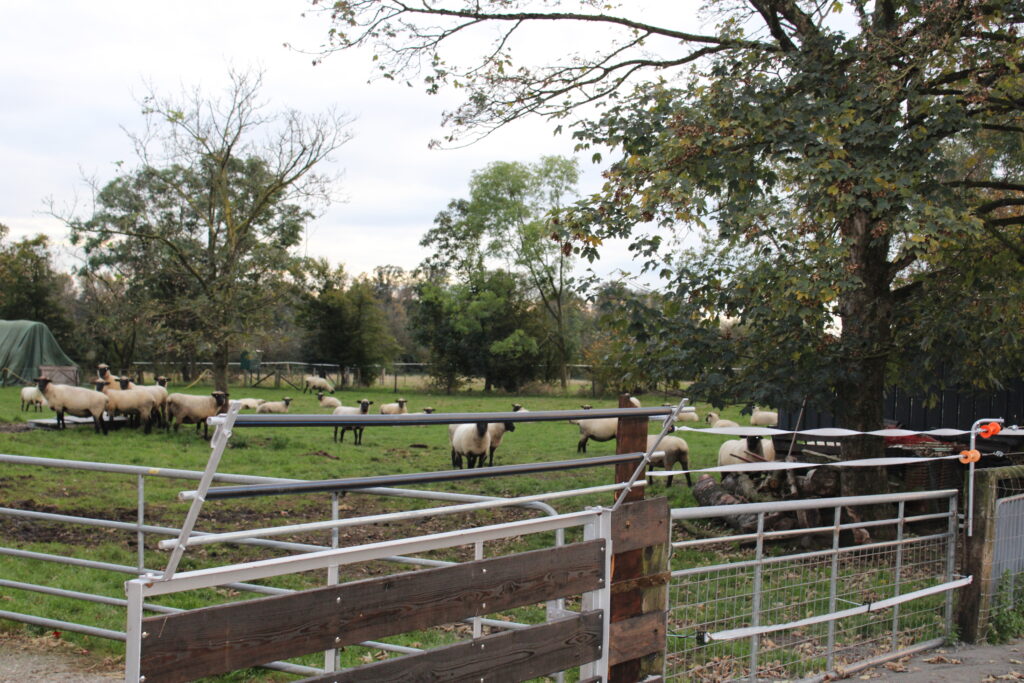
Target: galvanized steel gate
[[755, 613]]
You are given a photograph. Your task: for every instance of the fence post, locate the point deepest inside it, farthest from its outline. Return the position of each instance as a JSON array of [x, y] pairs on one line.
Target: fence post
[[979, 548], [639, 574]]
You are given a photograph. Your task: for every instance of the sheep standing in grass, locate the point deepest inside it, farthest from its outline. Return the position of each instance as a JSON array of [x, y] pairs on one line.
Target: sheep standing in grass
[[159, 393], [275, 406], [109, 378], [137, 404], [497, 430], [717, 422], [750, 449], [764, 418], [683, 415], [396, 408], [676, 451], [313, 383], [599, 429], [192, 409], [327, 401], [75, 401], [362, 409], [251, 403], [32, 397], [471, 441]]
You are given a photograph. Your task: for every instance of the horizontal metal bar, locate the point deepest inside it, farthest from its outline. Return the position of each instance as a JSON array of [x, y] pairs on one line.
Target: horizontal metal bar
[[776, 559], [320, 420], [773, 535], [260, 569], [62, 625], [853, 667], [707, 512], [88, 597], [232, 536], [746, 632], [326, 485]]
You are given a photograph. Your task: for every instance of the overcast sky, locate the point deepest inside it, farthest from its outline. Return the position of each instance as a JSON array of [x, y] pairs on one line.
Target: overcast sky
[[71, 74]]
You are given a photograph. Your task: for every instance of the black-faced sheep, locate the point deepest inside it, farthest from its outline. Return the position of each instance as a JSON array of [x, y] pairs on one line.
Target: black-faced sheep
[[75, 401], [715, 421], [275, 406], [396, 408], [471, 441], [137, 404], [251, 403], [362, 409], [764, 418], [313, 383], [192, 409], [31, 397], [327, 401], [750, 449], [676, 451]]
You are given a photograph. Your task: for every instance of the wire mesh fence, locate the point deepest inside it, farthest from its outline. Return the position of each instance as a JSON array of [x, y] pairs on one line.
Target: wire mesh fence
[[1006, 586], [767, 612]]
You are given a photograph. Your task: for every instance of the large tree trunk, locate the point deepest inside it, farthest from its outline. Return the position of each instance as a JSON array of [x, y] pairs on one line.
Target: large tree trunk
[[867, 315], [220, 367]]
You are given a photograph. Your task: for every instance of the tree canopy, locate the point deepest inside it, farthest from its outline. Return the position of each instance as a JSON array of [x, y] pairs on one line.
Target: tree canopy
[[854, 169]]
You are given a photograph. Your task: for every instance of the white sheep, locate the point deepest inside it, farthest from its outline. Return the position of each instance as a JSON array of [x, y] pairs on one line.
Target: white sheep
[[497, 430], [159, 393], [327, 401], [684, 415], [750, 449], [715, 421], [138, 404], [193, 409], [472, 441], [75, 401], [518, 408], [764, 418], [676, 451], [312, 383], [32, 397], [275, 406], [109, 378], [251, 403], [599, 429], [362, 409], [396, 408]]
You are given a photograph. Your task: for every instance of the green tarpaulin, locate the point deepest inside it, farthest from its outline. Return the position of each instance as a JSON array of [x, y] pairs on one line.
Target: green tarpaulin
[[25, 345]]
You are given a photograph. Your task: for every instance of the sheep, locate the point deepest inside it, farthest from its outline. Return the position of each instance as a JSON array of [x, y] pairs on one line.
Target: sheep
[[110, 379], [472, 441], [159, 393], [327, 401], [750, 449], [251, 403], [314, 382], [74, 400], [518, 408], [683, 415], [599, 429], [32, 397], [715, 421], [497, 430], [275, 406], [192, 409], [396, 408], [764, 418], [676, 451], [362, 409], [138, 404]]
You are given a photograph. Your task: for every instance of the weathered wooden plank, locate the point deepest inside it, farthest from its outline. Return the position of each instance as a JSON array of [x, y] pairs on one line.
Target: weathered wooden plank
[[636, 637], [640, 524], [223, 638], [509, 656]]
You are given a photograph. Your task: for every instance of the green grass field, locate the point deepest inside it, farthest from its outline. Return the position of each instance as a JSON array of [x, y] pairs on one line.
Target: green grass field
[[294, 452]]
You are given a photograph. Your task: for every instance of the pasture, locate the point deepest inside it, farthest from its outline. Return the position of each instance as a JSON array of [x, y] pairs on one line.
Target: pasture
[[307, 453]]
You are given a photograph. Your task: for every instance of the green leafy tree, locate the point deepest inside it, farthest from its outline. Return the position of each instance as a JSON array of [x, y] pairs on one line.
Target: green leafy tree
[[843, 169], [209, 218], [507, 218], [31, 288]]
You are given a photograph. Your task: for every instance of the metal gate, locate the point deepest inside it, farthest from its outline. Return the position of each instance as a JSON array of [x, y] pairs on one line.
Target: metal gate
[[861, 593]]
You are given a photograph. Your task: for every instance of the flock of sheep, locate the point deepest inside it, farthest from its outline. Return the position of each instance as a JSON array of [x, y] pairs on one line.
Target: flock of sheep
[[472, 442]]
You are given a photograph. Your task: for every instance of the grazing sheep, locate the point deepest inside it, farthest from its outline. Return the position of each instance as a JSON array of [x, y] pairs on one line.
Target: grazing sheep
[[518, 408], [312, 383], [683, 415], [396, 408], [764, 418], [362, 409], [251, 403], [599, 429], [497, 430], [137, 404], [471, 441], [750, 449], [275, 406], [327, 401], [715, 421], [76, 401], [192, 409], [676, 451], [32, 397]]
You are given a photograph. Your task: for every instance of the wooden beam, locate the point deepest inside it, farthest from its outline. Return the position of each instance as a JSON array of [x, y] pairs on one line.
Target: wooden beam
[[636, 637], [188, 645], [639, 525], [631, 437], [509, 656]]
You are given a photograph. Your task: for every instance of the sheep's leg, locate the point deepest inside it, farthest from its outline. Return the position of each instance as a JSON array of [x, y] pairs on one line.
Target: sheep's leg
[[490, 462], [358, 436], [335, 433], [581, 447]]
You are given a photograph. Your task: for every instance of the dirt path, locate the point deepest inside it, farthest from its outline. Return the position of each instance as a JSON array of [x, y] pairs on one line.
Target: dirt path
[[46, 660]]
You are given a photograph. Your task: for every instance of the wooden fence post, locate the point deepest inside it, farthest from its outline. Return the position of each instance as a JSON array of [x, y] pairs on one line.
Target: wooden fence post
[[639, 569]]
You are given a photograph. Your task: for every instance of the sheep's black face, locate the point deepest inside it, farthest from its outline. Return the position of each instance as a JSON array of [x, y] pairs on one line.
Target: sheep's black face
[[221, 398], [41, 382], [162, 381], [99, 384], [510, 426]]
